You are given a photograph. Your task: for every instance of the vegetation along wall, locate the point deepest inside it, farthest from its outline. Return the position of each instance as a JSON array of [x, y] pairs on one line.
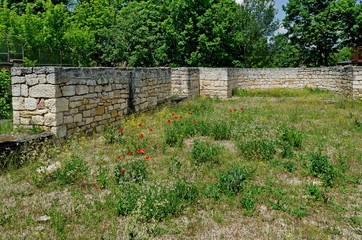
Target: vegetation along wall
[[63, 100]]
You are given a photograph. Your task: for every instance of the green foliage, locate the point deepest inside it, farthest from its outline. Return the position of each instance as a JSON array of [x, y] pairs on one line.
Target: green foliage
[[315, 193], [6, 109], [205, 152], [156, 202], [73, 171], [174, 165], [260, 149], [232, 181], [290, 139], [221, 130], [318, 29], [135, 171], [319, 166], [247, 203]]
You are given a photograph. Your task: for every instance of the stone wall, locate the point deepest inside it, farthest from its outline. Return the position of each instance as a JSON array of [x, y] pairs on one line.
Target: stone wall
[[214, 82], [336, 79], [185, 82], [63, 100]]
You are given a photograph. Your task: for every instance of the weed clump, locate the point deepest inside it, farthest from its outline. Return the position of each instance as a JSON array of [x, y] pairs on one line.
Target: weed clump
[[156, 202], [319, 166], [205, 152], [135, 171], [261, 149], [290, 139]]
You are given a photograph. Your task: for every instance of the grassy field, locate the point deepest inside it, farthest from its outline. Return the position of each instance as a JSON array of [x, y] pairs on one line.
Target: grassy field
[[276, 164]]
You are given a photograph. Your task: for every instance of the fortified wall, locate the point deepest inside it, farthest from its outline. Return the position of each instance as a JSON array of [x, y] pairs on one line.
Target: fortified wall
[[63, 100]]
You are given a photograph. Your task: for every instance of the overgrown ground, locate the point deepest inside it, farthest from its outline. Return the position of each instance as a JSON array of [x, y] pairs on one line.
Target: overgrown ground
[[253, 167]]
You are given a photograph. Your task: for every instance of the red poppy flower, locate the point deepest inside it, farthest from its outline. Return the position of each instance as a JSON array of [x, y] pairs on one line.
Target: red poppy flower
[[168, 121], [139, 150], [225, 114], [175, 117], [235, 109], [119, 157], [187, 106], [190, 113], [140, 125], [121, 130], [141, 135], [128, 153], [231, 111], [142, 150], [241, 108], [181, 117], [173, 114], [195, 122], [147, 158], [123, 170]]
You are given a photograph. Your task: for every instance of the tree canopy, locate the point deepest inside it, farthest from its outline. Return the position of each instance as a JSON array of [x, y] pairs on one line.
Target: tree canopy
[[211, 33]]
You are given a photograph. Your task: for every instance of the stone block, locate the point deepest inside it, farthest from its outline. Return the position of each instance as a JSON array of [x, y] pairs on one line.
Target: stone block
[[18, 103], [16, 90], [43, 91], [68, 90], [24, 91], [51, 78], [17, 80], [31, 79], [53, 119], [81, 90], [68, 119], [100, 110], [24, 121], [18, 71], [37, 120], [62, 105], [30, 103], [42, 78], [78, 118]]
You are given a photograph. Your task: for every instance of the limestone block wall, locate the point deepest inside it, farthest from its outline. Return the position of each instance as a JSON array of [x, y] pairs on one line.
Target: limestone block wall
[[336, 79], [357, 82], [149, 88], [65, 100], [214, 82], [185, 82]]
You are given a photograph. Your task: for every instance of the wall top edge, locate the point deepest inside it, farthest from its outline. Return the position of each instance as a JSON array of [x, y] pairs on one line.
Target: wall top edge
[[51, 69]]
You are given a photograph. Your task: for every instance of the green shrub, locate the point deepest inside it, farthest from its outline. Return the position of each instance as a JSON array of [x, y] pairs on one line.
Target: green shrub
[[248, 203], [156, 202], [72, 171], [112, 134], [174, 165], [258, 149], [221, 131], [233, 180], [135, 171], [314, 192], [290, 138], [319, 166], [205, 151], [5, 95]]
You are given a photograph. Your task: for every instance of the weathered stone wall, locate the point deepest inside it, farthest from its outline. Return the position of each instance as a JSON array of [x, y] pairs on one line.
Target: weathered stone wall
[[185, 82], [63, 100], [357, 82], [336, 79], [214, 82]]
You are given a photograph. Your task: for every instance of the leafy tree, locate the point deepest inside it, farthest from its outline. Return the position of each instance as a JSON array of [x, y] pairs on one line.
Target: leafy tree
[[321, 28], [257, 23]]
